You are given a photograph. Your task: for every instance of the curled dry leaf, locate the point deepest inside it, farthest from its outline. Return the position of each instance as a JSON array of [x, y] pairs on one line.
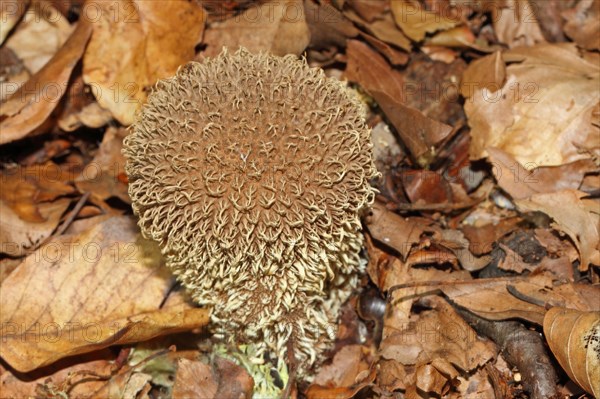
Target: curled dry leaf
[[194, 379], [574, 338], [105, 175], [456, 242], [121, 72], [416, 22], [11, 14], [29, 107], [438, 337], [491, 299], [75, 379], [583, 24], [224, 379], [41, 33], [522, 183], [278, 27], [327, 25], [573, 217], [79, 294], [393, 230], [32, 204], [543, 114], [419, 133], [350, 365], [515, 23]]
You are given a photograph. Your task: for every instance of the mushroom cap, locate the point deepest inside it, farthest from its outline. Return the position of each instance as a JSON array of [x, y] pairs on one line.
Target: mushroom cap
[[251, 171]]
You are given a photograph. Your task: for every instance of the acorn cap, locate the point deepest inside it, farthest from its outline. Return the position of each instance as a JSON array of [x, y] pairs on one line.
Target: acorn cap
[[251, 171]]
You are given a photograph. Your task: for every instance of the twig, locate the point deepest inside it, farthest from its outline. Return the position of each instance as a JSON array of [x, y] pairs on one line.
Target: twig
[[523, 349]]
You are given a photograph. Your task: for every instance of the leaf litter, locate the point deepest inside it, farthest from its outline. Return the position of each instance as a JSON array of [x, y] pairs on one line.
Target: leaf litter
[[483, 242]]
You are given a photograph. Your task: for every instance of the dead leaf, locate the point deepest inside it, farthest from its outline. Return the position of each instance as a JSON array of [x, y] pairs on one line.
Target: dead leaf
[[121, 72], [515, 23], [194, 379], [278, 27], [393, 230], [383, 28], [542, 114], [574, 338], [83, 293], [456, 242], [348, 364], [583, 24], [11, 13], [376, 76], [18, 236], [437, 333], [492, 300], [25, 188], [32, 104], [487, 72], [41, 33], [316, 391], [327, 25], [79, 388], [105, 175], [482, 238], [81, 109], [512, 261], [521, 182], [460, 36], [416, 22], [570, 216]]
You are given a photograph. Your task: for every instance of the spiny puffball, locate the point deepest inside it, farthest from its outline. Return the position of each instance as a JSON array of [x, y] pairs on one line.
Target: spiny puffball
[[251, 171]]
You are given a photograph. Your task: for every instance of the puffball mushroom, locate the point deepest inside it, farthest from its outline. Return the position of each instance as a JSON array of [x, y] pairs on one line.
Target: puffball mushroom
[[251, 171]]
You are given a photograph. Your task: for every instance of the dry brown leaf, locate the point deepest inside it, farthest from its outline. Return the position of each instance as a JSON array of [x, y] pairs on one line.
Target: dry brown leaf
[[105, 175], [512, 261], [278, 27], [327, 25], [13, 75], [492, 300], [383, 28], [316, 391], [416, 22], [11, 13], [542, 115], [19, 236], [41, 33], [488, 72], [456, 242], [460, 36], [79, 294], [393, 230], [522, 183], [194, 379], [420, 133], [121, 72], [572, 217], [439, 333], [574, 338], [24, 188], [583, 24], [430, 379], [515, 23], [80, 385], [348, 364], [481, 238], [81, 109], [29, 107]]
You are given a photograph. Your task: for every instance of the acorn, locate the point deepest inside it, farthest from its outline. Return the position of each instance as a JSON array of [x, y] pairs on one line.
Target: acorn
[[252, 171]]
